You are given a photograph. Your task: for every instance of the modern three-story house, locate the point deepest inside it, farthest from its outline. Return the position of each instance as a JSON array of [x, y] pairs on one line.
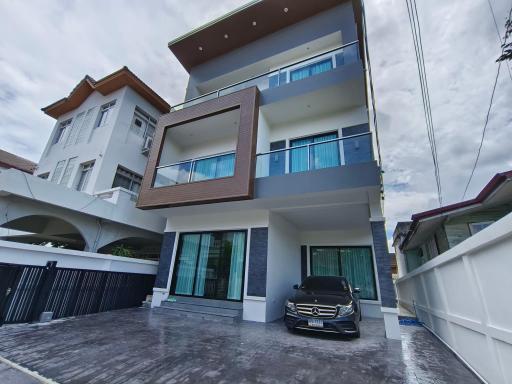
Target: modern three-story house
[[268, 171]]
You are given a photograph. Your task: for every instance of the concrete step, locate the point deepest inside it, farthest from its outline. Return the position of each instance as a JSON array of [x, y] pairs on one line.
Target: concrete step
[[206, 302], [202, 309], [203, 312]]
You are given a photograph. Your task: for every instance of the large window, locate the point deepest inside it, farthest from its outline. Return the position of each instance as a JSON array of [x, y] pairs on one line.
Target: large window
[[84, 175], [127, 179], [355, 263], [61, 130], [210, 265], [143, 125], [307, 156]]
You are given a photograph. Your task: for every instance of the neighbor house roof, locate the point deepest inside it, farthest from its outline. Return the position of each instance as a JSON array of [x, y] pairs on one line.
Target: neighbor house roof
[[9, 160], [105, 86], [242, 26], [492, 186]]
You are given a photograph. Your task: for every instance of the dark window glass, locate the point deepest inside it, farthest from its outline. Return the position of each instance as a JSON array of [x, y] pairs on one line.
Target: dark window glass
[[127, 179]]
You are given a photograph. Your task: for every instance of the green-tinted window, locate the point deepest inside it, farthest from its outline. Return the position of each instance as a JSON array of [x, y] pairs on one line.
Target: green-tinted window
[[355, 263]]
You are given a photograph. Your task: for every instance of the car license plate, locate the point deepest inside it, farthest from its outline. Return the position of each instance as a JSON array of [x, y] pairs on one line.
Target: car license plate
[[316, 323]]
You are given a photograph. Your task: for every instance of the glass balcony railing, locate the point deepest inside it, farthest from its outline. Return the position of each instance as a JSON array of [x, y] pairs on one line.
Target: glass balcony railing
[[324, 154], [299, 70], [205, 168]]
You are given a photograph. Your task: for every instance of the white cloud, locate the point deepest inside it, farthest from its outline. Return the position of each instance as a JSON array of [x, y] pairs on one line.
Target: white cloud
[[48, 46]]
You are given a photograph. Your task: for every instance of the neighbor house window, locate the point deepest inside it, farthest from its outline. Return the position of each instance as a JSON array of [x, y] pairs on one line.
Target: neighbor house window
[[105, 112], [84, 175], [474, 228], [57, 172], [127, 179], [210, 265], [355, 263], [143, 125], [61, 130]]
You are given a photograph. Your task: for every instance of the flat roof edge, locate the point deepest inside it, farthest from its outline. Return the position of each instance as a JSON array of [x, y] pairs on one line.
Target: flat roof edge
[[213, 22]]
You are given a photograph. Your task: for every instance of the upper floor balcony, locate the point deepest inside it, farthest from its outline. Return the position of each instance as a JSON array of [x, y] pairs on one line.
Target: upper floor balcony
[[330, 60]]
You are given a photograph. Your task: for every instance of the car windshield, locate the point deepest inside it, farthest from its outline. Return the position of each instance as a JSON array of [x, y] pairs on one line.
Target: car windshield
[[325, 283]]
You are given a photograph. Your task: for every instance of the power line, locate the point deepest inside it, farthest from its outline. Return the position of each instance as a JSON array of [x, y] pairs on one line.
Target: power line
[[412, 12], [498, 33], [483, 131]]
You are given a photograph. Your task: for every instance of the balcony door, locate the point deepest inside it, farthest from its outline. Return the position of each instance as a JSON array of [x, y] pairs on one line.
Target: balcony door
[[210, 265], [312, 154]]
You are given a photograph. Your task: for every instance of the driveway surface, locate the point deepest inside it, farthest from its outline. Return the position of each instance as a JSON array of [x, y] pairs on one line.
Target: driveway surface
[[156, 346]]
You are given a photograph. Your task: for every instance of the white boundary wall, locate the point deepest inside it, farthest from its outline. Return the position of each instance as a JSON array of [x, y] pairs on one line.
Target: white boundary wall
[[27, 254], [464, 296]]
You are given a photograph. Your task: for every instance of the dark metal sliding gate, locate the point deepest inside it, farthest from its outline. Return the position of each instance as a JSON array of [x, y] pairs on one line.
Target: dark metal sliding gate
[[26, 291]]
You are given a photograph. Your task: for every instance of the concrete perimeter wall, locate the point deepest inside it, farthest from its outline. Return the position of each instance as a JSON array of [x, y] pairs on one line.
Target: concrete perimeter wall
[[27, 254], [464, 296]]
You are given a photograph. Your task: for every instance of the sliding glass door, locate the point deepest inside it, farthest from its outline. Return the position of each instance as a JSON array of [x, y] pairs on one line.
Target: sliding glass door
[[210, 265], [355, 263], [324, 155]]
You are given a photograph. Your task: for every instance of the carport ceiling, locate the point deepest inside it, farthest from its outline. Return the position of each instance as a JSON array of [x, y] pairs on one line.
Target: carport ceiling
[[331, 217]]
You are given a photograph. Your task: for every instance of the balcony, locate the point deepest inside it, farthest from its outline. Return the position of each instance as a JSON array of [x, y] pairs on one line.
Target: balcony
[[199, 169], [310, 156], [300, 70]]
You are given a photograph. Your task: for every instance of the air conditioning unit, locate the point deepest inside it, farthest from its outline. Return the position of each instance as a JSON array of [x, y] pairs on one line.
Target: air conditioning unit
[[147, 145]]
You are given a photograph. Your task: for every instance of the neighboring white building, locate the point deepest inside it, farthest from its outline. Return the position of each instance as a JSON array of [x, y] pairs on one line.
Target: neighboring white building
[[93, 165], [102, 134]]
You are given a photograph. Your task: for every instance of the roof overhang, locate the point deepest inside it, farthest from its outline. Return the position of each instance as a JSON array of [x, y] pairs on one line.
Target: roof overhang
[[108, 84], [244, 25], [495, 192]]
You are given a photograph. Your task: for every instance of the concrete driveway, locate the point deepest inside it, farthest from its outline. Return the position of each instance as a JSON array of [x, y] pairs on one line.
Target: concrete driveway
[[155, 346]]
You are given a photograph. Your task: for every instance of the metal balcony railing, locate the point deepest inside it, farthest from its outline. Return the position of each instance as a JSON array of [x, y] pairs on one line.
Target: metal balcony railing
[[326, 61], [324, 154]]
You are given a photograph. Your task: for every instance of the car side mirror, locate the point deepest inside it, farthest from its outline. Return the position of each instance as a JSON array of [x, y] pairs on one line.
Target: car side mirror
[[295, 286], [356, 290]]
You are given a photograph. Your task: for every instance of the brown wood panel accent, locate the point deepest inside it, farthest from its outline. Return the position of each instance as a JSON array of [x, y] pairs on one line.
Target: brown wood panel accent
[[238, 187], [269, 16]]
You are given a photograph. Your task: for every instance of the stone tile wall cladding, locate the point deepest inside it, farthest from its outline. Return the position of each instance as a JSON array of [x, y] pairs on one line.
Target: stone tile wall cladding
[[258, 249], [380, 246], [164, 264]]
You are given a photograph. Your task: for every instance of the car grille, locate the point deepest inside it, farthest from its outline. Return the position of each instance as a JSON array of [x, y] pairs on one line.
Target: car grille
[[315, 310]]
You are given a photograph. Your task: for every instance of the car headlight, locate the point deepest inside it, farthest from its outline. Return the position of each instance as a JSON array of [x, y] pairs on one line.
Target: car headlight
[[290, 306], [345, 310]]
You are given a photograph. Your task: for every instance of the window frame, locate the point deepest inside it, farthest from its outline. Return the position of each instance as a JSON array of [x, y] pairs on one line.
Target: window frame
[[61, 131], [132, 177], [105, 110], [90, 167], [174, 274], [146, 118]]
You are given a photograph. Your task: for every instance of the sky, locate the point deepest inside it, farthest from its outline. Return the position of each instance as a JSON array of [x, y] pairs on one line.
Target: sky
[[47, 46]]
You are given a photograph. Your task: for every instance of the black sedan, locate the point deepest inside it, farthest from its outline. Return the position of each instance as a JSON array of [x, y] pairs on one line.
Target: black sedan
[[326, 304]]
